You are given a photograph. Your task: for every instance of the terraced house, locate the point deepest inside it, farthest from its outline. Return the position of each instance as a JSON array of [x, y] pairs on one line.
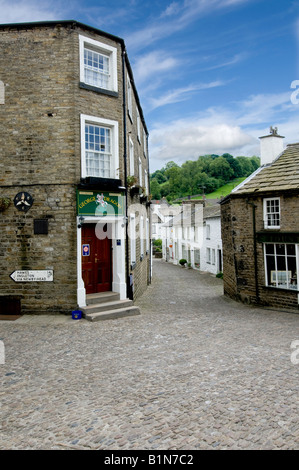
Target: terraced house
[[260, 230], [74, 170]]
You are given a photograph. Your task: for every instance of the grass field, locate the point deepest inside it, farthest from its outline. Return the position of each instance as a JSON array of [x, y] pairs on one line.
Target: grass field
[[224, 190]]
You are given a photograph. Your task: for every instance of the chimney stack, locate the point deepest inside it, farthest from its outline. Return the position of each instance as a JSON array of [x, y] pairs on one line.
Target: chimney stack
[[271, 146]]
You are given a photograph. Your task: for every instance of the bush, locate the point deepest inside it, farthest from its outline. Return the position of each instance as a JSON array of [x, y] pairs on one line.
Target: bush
[[220, 275], [182, 262]]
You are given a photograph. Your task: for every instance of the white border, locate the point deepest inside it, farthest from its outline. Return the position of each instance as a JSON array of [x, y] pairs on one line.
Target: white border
[[113, 125], [118, 257], [102, 48]]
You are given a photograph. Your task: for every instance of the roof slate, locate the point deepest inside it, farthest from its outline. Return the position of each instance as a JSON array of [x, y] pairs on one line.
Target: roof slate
[[280, 175]]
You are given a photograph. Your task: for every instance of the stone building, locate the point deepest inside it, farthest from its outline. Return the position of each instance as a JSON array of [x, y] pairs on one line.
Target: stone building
[[260, 230], [74, 169]]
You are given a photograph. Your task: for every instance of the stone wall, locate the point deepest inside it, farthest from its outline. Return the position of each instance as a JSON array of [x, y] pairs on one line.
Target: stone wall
[[244, 279], [40, 108]]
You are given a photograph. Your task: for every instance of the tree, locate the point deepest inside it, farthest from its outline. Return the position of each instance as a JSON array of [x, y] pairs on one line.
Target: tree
[[221, 169], [155, 189]]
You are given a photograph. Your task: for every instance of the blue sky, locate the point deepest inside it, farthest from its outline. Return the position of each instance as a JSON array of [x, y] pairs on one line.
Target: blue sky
[[212, 75]]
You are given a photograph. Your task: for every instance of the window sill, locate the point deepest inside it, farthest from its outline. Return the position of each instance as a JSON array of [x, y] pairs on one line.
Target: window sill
[[133, 265], [285, 289], [102, 91]]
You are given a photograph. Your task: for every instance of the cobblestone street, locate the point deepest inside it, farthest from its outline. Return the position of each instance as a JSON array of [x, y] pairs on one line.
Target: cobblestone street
[[194, 371]]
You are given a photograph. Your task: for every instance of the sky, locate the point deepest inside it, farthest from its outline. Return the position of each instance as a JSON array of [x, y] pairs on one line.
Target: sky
[[212, 75]]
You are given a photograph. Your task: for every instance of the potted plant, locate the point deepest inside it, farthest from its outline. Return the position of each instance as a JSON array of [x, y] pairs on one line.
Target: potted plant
[[4, 203], [131, 181], [143, 196], [183, 262]]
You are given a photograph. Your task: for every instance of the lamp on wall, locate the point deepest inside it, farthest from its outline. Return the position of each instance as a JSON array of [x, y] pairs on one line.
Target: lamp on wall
[[81, 221]]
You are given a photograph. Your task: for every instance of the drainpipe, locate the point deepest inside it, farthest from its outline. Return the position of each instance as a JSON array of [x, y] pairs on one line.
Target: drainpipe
[[125, 168], [255, 250]]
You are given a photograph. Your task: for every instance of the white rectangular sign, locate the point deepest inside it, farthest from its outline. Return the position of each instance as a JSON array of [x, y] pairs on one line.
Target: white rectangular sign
[[33, 276]]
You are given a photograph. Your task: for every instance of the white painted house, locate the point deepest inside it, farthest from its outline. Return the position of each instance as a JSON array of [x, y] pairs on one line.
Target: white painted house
[[194, 235], [211, 251]]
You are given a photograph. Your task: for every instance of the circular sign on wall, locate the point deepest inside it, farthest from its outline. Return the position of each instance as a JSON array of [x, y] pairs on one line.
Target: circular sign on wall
[[23, 201]]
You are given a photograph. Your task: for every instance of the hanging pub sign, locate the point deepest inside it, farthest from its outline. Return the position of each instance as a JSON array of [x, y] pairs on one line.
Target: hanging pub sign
[[98, 203]]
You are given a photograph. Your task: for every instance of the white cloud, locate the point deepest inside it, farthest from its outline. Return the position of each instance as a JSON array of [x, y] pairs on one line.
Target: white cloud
[[180, 94], [184, 140], [21, 11], [219, 130], [153, 63]]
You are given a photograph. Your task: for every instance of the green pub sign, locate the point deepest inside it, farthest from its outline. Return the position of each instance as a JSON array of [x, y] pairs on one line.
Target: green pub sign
[[99, 203]]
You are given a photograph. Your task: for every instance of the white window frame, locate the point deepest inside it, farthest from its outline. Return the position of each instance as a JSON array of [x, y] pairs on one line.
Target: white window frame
[[267, 213], [138, 124], [208, 232], [208, 255], [105, 50], [133, 239], [113, 126], [131, 156], [140, 172], [268, 282], [147, 236], [144, 143], [141, 231], [146, 182], [130, 98]]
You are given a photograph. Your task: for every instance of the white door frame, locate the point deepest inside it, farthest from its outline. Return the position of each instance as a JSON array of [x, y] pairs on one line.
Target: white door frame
[[117, 226]]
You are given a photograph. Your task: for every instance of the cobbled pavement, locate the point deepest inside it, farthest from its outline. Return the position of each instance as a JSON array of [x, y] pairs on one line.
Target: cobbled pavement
[[194, 371]]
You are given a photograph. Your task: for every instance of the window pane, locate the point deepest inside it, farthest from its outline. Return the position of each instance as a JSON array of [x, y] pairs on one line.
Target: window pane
[[291, 250], [96, 69], [272, 215], [98, 156], [281, 263], [281, 267], [271, 270], [270, 249], [280, 249]]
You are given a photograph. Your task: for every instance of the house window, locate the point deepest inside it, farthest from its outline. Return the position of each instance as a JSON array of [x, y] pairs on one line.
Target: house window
[[131, 153], [147, 237], [140, 172], [133, 240], [144, 143], [281, 265], [208, 232], [208, 255], [272, 213], [130, 105], [98, 64], [145, 182], [99, 149], [213, 257], [141, 239], [138, 124]]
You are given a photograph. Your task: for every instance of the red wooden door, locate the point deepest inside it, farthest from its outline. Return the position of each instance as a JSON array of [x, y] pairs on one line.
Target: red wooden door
[[96, 261]]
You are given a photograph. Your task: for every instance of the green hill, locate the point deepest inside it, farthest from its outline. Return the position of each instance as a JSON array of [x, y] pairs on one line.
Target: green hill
[[223, 190], [212, 175]]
